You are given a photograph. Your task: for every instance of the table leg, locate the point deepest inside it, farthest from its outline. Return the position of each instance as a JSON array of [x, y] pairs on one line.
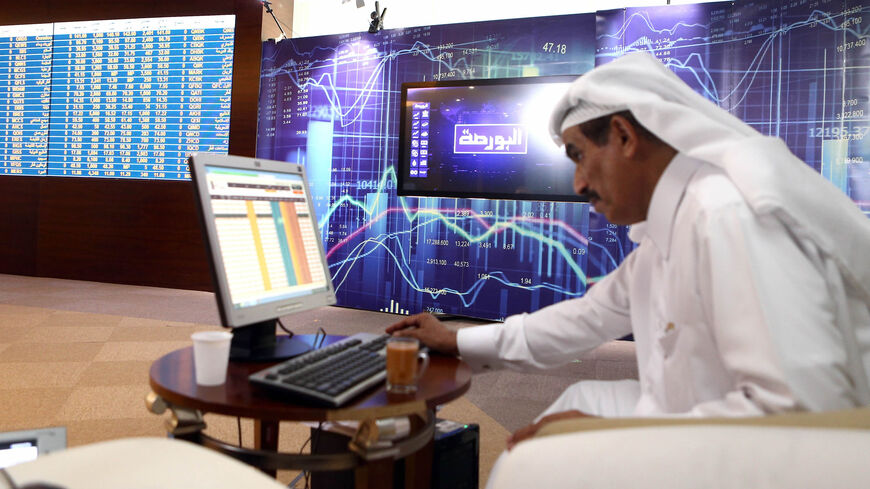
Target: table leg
[[377, 474], [418, 465], [266, 438]]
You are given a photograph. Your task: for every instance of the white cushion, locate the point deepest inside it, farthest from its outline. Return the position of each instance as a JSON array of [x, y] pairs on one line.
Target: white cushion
[[678, 457]]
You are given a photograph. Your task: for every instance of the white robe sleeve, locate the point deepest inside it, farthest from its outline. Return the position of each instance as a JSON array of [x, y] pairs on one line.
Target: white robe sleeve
[[771, 316], [556, 334]]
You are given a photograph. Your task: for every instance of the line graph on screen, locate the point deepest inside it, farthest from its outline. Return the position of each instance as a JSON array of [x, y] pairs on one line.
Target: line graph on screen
[[791, 70], [795, 70], [479, 258]]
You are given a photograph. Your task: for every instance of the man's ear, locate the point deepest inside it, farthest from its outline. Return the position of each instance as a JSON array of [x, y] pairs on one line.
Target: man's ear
[[625, 134]]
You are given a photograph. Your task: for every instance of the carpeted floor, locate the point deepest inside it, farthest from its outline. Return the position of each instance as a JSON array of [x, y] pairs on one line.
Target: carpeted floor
[[77, 354]]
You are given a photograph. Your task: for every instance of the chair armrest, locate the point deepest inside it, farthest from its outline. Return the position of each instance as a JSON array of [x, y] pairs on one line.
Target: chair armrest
[[689, 457], [858, 418]]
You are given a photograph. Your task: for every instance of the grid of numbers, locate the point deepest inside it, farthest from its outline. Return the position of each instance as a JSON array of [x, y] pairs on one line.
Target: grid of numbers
[[124, 98]]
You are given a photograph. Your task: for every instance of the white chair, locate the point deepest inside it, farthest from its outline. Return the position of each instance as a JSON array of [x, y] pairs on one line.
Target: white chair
[[139, 463], [794, 451]]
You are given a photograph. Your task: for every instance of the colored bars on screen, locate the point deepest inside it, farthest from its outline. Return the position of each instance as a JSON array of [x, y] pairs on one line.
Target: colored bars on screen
[[293, 233], [258, 244], [395, 309], [288, 241]]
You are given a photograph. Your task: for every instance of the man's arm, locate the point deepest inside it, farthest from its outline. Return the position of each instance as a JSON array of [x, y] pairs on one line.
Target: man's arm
[[552, 336]]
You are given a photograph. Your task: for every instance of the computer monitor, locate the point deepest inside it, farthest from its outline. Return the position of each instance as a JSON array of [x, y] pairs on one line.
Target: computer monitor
[[265, 249], [483, 139], [23, 446]]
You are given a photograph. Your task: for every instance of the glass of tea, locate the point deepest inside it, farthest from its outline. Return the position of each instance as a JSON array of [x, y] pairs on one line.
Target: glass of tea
[[403, 372]]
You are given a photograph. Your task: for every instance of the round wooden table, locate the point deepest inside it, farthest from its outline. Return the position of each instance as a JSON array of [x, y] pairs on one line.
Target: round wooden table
[[174, 387]]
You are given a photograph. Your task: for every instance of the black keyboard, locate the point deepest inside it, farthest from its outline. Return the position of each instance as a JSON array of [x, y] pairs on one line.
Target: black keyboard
[[330, 375]]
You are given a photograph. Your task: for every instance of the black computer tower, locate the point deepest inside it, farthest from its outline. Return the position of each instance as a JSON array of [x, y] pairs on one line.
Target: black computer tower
[[456, 457]]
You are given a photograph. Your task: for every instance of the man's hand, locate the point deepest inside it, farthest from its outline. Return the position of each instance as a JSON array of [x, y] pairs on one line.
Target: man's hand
[[530, 430], [429, 330]]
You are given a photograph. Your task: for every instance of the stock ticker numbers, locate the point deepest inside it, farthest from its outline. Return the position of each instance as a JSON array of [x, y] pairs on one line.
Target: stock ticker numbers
[[793, 69], [25, 98], [119, 99]]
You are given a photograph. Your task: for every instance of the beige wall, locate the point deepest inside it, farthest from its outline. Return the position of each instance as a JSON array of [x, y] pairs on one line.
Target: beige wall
[[319, 17]]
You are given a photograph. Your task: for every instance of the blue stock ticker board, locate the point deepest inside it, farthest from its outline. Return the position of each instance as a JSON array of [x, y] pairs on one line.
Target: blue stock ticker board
[[796, 70], [126, 98]]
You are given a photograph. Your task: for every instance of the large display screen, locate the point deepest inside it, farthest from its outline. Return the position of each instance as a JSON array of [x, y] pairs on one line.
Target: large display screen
[[332, 103], [127, 98], [795, 70], [483, 139]]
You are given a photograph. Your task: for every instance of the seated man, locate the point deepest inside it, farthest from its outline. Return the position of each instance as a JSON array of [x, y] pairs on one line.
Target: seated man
[[748, 291]]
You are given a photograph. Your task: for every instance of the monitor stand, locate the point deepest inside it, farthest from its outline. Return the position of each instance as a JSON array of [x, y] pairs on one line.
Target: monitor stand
[[258, 342]]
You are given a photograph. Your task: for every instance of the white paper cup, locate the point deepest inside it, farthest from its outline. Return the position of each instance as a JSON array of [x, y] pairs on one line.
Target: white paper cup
[[211, 354]]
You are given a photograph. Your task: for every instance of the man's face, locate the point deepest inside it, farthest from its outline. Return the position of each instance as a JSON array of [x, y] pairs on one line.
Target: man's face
[[607, 175]]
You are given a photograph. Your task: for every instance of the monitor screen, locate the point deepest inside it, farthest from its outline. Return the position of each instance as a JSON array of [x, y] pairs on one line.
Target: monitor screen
[[483, 139], [23, 446], [16, 452], [124, 98], [262, 237]]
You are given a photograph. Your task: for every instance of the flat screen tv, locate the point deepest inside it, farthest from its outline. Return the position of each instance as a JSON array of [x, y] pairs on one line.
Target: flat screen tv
[[483, 139]]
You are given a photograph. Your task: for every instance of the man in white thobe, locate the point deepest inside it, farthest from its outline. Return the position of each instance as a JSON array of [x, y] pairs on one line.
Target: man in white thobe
[[748, 291]]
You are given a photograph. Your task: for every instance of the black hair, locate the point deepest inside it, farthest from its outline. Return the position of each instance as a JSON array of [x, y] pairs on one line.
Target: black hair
[[598, 130]]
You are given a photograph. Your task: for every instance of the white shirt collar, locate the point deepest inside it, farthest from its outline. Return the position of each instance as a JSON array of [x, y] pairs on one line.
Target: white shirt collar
[[664, 203]]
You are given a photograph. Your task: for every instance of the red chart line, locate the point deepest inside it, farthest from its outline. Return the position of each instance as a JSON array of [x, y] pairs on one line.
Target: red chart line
[[558, 222]]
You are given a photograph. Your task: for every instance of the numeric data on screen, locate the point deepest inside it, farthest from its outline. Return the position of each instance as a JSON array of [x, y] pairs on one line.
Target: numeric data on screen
[[128, 98], [25, 98]]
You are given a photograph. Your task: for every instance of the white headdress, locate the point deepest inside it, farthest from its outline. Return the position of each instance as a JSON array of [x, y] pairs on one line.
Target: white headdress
[[770, 177]]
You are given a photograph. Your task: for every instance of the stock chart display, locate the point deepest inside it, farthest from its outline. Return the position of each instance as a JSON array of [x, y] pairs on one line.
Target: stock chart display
[[797, 70], [332, 103], [127, 98]]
